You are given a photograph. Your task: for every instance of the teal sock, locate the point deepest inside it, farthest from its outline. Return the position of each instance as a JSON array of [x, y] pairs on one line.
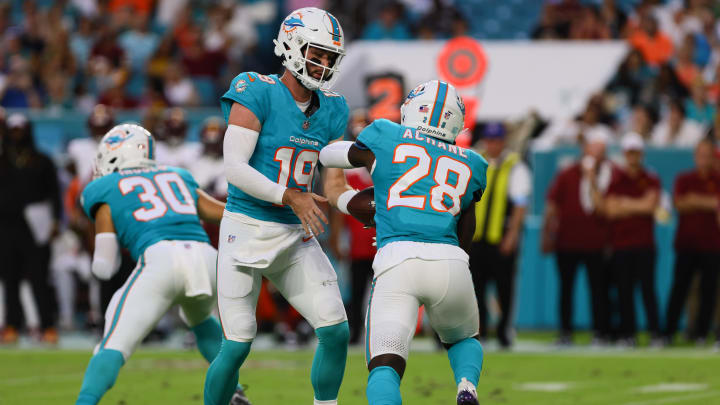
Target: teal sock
[[466, 359], [383, 387], [222, 376], [208, 335], [100, 376], [328, 365]]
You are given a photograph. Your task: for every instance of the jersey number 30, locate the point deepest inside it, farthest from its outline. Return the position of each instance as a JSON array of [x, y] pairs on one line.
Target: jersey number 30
[[159, 203], [443, 167]]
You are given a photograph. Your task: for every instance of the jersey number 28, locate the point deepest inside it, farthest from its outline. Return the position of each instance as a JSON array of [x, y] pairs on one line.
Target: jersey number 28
[[443, 167], [159, 203]]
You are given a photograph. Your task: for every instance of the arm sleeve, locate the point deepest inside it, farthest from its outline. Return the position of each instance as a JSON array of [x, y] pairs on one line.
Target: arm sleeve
[[238, 147], [106, 259], [336, 155]]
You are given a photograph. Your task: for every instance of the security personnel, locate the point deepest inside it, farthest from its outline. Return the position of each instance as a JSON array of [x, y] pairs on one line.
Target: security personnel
[[499, 215]]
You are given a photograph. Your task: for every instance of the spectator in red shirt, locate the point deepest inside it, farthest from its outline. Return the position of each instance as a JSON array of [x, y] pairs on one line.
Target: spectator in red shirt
[[632, 198], [697, 241], [575, 231], [655, 46]]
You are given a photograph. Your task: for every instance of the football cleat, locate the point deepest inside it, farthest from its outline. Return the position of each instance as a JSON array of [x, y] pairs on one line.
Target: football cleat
[[239, 397], [467, 395]]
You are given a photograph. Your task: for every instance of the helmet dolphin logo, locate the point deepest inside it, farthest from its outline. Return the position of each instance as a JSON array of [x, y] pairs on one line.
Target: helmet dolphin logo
[[115, 141], [292, 22]]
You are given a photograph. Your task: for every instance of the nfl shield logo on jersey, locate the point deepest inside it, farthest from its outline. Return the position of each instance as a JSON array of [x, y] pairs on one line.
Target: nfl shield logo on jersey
[[231, 238], [306, 125]]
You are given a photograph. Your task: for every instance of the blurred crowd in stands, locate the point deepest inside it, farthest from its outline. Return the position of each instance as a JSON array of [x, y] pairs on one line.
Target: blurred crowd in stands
[[165, 56]]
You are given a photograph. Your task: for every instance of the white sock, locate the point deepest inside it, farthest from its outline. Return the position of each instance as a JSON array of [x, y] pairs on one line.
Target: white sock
[[466, 385], [330, 402]]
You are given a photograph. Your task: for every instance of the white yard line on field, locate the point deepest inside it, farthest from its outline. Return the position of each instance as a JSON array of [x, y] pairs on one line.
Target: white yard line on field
[[673, 400], [673, 387]]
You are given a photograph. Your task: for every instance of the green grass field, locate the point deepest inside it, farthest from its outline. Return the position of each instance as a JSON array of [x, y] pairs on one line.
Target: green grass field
[[678, 376]]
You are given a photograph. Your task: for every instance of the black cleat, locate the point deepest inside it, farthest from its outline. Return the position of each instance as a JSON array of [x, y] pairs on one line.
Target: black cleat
[[466, 397]]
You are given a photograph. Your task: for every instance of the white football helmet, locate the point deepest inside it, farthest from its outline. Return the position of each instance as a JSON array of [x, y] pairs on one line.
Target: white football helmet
[[125, 146], [436, 109], [310, 27]]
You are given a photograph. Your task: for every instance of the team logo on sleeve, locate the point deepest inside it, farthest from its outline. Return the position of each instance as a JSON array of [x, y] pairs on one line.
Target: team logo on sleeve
[[240, 86]]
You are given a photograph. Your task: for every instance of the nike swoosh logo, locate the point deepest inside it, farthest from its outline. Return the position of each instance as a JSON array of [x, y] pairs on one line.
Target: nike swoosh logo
[[307, 239]]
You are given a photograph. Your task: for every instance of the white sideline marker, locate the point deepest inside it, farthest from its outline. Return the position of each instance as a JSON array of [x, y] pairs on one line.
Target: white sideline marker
[[550, 386], [673, 387]]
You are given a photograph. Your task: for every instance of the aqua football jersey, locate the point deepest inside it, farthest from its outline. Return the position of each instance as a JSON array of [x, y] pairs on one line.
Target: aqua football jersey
[[289, 142], [147, 206], [422, 184]]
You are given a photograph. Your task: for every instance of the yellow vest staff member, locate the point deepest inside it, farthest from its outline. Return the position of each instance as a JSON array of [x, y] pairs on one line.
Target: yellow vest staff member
[[499, 214]]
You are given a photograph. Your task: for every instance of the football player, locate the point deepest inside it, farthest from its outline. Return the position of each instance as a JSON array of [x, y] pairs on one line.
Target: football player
[[425, 189], [276, 128], [154, 212]]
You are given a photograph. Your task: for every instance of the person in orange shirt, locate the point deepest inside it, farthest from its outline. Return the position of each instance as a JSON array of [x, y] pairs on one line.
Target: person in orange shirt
[[655, 46]]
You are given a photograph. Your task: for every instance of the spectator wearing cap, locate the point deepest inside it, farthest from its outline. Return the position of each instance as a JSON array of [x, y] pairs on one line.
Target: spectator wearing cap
[[630, 204], [675, 130], [500, 215], [29, 212], [576, 231], [697, 241]]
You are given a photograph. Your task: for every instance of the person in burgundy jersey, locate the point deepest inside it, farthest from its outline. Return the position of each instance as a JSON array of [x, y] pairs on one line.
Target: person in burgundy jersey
[[631, 200], [697, 241], [577, 233]]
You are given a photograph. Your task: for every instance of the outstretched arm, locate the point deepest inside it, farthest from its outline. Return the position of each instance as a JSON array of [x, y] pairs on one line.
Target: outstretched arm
[[209, 209], [340, 155], [106, 258]]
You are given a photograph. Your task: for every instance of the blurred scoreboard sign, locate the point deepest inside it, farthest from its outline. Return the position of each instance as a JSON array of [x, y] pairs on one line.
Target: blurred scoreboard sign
[[497, 79]]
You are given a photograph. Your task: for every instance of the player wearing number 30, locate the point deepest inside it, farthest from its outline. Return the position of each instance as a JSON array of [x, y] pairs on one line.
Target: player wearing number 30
[[276, 128], [425, 187], [153, 211]]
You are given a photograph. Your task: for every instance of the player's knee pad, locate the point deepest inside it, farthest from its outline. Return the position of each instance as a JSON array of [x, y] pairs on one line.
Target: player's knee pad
[[335, 335]]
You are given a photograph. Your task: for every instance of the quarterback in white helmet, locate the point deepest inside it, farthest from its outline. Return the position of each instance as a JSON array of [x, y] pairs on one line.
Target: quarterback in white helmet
[[276, 126]]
